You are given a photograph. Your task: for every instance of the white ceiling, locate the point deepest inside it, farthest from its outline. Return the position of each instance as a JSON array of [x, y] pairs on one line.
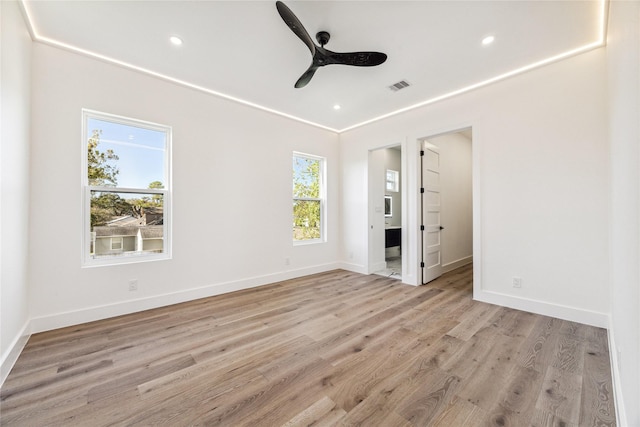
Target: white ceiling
[[243, 49]]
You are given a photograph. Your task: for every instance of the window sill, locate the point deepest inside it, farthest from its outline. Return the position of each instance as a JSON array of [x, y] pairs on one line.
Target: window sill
[[120, 260], [308, 242]]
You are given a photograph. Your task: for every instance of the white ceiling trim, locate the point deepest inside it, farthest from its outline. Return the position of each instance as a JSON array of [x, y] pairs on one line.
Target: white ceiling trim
[[600, 42], [48, 41], [573, 52]]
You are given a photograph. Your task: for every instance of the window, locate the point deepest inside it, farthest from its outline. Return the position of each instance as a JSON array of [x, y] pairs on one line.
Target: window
[[116, 243], [308, 198], [393, 180], [127, 190]]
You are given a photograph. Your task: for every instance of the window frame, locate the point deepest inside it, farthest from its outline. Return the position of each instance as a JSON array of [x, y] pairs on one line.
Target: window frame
[[119, 240], [88, 237], [395, 182], [322, 199]]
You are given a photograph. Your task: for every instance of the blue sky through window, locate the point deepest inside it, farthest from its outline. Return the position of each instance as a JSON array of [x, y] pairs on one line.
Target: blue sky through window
[[300, 170], [141, 151]]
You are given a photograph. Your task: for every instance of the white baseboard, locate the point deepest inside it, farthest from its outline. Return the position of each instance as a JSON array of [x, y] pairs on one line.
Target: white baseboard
[[377, 267], [410, 279], [573, 314], [61, 320], [10, 357], [450, 266], [564, 312], [621, 414], [356, 268]]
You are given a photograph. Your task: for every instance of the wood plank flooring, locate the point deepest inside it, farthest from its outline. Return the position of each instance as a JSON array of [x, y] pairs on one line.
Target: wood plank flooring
[[336, 348]]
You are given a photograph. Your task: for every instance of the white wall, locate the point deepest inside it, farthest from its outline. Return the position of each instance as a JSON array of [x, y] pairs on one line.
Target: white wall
[[456, 199], [232, 211], [541, 189], [541, 185], [623, 60], [14, 196]]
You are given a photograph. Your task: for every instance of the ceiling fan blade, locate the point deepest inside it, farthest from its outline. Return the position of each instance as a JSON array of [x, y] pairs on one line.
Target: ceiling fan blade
[[358, 59], [296, 26], [320, 55], [306, 77]]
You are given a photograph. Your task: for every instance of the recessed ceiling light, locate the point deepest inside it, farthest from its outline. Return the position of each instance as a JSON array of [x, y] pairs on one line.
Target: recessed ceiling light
[[337, 107], [598, 43], [175, 40], [488, 40]]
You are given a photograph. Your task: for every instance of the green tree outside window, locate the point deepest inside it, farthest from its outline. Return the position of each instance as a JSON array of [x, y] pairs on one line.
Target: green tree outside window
[[307, 202]]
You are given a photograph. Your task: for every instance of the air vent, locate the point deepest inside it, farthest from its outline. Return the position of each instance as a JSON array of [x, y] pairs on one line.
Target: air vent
[[400, 85]]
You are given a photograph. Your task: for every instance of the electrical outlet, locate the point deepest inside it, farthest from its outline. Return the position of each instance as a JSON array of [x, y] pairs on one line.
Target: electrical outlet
[[517, 282], [287, 261], [133, 285]]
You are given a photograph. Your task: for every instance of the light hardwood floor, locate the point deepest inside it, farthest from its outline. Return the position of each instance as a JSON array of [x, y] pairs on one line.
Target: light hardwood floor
[[336, 348]]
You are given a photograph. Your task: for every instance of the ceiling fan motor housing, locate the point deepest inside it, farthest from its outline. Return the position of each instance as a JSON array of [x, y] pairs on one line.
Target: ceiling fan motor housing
[[323, 37]]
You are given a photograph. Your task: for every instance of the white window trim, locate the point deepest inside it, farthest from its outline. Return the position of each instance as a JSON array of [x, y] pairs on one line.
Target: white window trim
[[322, 199], [120, 239], [395, 181], [87, 235]]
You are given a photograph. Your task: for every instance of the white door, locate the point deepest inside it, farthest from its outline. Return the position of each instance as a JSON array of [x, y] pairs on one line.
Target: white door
[[431, 252]]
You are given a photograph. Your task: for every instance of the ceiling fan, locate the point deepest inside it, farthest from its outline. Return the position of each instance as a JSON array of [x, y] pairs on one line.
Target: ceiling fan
[[322, 56]]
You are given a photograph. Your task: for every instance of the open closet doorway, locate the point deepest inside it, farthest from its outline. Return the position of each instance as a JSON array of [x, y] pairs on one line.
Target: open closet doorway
[[446, 205], [385, 211]]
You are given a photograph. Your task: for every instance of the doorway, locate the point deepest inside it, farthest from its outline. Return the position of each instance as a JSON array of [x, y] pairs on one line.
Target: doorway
[[385, 217], [446, 203]]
